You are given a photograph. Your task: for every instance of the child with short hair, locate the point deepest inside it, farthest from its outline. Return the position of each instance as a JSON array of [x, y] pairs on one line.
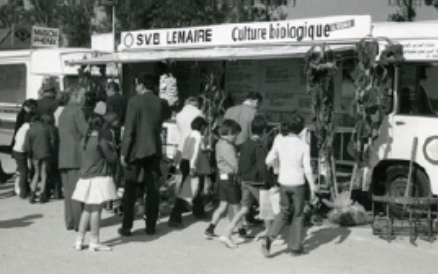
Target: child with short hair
[[39, 146], [253, 173], [19, 154], [95, 185], [227, 165], [189, 165], [293, 155]]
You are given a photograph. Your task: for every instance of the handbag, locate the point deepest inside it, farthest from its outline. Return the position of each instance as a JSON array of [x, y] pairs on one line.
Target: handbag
[[274, 196], [189, 189], [266, 209]]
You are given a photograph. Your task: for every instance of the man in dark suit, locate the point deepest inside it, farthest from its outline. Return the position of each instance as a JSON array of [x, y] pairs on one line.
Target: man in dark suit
[[141, 152], [72, 128]]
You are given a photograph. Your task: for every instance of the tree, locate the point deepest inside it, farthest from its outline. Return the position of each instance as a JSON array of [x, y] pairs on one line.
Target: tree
[[407, 12]]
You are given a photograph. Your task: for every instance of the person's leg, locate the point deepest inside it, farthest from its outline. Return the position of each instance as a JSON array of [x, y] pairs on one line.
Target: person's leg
[[175, 219], [36, 176], [152, 198], [43, 190], [57, 182], [279, 221], [83, 225], [296, 229], [236, 220], [129, 198], [22, 169], [218, 213], [198, 203], [76, 206], [68, 192], [95, 245]]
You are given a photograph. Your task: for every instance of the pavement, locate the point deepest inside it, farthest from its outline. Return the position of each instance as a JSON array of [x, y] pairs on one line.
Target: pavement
[[33, 239]]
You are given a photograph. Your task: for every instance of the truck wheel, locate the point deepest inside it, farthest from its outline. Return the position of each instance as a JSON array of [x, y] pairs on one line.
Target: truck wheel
[[397, 181]]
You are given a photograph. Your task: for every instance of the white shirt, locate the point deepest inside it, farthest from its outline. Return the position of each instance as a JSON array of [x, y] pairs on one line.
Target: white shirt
[[20, 137], [293, 155], [184, 121]]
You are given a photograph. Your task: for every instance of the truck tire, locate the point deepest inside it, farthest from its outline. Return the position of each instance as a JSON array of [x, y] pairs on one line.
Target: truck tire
[[396, 183]]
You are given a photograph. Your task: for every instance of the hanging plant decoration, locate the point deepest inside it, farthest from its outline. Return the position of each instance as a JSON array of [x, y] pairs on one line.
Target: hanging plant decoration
[[168, 89], [213, 97], [372, 77], [320, 68]]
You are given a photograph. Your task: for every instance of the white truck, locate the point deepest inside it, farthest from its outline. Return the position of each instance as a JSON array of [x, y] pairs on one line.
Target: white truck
[[409, 133], [22, 73]]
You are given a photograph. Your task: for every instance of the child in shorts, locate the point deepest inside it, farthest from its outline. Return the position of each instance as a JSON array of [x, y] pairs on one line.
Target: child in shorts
[[227, 167], [253, 173]]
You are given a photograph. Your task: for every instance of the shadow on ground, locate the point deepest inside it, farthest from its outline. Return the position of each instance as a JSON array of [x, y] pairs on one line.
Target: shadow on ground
[[19, 222], [318, 237]]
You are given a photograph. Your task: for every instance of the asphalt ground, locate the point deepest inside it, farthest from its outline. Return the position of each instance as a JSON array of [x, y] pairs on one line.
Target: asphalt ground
[[33, 239]]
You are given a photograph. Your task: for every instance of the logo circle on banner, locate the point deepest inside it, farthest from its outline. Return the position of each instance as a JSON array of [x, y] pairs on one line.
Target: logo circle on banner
[[128, 40], [430, 149]]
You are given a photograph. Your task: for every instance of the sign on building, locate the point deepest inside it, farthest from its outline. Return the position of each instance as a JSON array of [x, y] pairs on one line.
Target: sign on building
[[45, 37], [300, 31]]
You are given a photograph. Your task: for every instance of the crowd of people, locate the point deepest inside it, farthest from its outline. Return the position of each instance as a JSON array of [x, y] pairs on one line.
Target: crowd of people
[[82, 148]]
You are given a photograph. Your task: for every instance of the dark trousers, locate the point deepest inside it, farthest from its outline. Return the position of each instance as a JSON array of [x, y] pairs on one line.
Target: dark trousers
[[292, 204], [22, 168], [72, 208], [55, 181], [143, 175], [181, 205]]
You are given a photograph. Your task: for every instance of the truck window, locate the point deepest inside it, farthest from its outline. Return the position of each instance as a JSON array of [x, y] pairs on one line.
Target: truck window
[[418, 93], [13, 83]]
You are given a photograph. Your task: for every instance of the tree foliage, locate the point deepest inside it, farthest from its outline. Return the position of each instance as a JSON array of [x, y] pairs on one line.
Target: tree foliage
[[73, 19], [407, 12], [77, 19]]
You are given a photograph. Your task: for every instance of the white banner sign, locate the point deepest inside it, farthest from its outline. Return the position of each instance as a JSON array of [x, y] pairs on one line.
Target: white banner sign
[[420, 50], [45, 37], [261, 33]]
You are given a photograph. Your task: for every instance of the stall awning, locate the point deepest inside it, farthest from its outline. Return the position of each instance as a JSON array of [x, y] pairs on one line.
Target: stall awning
[[205, 54]]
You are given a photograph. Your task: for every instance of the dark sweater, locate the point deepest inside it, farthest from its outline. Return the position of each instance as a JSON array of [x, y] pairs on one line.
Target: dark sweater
[[252, 166], [39, 142], [117, 104], [96, 158], [47, 105]]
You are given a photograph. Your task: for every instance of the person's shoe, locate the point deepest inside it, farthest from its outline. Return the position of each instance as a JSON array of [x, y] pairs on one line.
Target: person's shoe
[[43, 198], [150, 230], [32, 197], [175, 224], [78, 246], [210, 235], [124, 232], [266, 246], [278, 241], [296, 253], [99, 247], [227, 242]]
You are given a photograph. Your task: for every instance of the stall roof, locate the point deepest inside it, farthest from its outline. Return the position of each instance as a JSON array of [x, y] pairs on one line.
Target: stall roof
[[406, 30], [205, 54]]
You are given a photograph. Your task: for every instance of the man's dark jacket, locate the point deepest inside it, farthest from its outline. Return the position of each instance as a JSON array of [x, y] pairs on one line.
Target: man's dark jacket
[[141, 136]]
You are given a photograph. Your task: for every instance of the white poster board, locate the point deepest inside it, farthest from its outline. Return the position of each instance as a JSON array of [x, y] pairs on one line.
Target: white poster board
[[45, 37], [241, 78]]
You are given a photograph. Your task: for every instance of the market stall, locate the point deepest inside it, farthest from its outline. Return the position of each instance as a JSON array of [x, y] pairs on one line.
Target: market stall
[[266, 57]]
